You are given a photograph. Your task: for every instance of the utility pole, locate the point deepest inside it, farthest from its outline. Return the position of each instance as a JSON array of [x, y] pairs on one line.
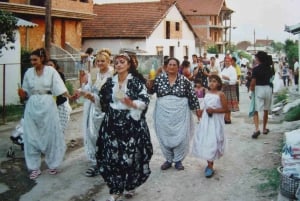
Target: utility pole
[[254, 42], [48, 24]]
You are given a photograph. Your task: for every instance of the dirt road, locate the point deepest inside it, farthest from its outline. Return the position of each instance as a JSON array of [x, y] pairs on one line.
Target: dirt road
[[239, 174]]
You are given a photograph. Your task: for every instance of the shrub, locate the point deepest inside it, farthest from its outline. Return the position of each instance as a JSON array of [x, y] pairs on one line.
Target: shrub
[[280, 96], [293, 114]]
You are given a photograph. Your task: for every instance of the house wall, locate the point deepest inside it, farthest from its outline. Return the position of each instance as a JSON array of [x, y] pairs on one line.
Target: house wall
[[12, 60], [74, 5], [184, 40]]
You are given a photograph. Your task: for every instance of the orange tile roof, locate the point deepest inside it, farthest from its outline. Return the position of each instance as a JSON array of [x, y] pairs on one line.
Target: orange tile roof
[[124, 20], [202, 7]]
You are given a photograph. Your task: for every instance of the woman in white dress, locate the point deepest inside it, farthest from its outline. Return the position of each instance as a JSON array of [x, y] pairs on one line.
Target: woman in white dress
[[209, 138], [278, 81], [92, 113], [42, 129]]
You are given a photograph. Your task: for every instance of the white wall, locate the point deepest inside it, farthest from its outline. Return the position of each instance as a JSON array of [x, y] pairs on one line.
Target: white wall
[[157, 37], [12, 61]]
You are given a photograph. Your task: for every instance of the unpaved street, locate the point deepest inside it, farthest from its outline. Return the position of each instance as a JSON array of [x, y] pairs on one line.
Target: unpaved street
[[237, 178]]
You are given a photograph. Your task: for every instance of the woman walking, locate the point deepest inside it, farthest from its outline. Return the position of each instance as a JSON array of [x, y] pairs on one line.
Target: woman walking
[[92, 113], [124, 145], [42, 131], [173, 119]]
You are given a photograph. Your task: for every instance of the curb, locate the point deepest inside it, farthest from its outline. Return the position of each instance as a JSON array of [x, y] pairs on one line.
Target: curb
[[11, 125]]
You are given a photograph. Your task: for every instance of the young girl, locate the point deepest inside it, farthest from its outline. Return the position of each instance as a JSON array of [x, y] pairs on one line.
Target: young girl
[[200, 91], [209, 139]]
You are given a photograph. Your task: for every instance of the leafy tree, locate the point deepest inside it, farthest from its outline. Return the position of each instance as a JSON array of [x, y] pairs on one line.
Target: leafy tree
[[8, 24], [291, 50], [212, 50], [277, 46]]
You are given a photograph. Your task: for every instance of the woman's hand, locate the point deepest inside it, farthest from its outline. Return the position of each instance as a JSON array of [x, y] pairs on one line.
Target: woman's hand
[[89, 96], [127, 101], [22, 93], [199, 114]]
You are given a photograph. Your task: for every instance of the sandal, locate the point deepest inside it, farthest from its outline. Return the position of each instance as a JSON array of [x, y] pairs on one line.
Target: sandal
[[129, 194], [179, 166], [52, 171], [92, 171], [34, 174], [266, 131], [255, 134], [166, 165]]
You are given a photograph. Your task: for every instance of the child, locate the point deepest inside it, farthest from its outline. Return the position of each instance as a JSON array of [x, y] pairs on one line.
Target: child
[[248, 80], [209, 139], [200, 91]]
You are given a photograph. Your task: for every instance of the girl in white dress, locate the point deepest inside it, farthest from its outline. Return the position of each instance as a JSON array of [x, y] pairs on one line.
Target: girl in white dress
[[209, 139], [92, 112]]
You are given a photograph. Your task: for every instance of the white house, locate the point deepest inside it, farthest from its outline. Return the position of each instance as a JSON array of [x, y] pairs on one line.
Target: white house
[[10, 68], [149, 28]]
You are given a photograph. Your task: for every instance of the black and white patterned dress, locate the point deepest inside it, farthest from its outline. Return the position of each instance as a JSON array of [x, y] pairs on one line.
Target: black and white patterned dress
[[124, 144]]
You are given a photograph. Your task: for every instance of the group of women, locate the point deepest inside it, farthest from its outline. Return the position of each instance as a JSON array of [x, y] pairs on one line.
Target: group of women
[[116, 135]]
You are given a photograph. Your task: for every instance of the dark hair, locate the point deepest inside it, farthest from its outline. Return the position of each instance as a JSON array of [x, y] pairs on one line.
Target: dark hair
[[89, 50], [234, 59], [40, 52], [262, 56], [166, 60], [198, 81], [173, 58], [218, 79], [54, 61], [185, 64]]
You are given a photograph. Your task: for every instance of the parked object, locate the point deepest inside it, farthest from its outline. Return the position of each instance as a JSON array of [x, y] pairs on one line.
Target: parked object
[[17, 139]]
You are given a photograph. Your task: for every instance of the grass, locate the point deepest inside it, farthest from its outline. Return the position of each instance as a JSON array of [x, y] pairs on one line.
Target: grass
[[293, 114], [281, 96], [271, 182], [12, 113]]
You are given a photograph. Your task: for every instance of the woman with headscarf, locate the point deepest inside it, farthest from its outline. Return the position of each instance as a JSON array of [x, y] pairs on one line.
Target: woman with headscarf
[[173, 119]]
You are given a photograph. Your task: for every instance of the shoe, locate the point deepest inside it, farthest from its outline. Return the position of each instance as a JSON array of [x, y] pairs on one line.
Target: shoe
[[209, 172], [266, 131], [129, 194], [166, 165], [34, 174], [227, 122], [52, 171], [255, 134], [92, 171], [179, 166]]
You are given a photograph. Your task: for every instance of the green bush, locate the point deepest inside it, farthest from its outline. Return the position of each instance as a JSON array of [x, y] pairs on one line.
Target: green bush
[[280, 96], [293, 114], [12, 112]]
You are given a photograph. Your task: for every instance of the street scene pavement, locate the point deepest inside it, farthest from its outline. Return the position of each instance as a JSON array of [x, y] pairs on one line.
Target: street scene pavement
[[238, 174]]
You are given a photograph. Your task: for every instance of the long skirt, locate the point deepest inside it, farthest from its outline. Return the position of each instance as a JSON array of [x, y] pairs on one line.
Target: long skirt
[[231, 97], [124, 151]]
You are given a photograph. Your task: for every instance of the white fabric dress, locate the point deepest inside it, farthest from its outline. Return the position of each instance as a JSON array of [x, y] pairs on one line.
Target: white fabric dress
[[93, 115], [278, 81], [209, 140], [42, 129]]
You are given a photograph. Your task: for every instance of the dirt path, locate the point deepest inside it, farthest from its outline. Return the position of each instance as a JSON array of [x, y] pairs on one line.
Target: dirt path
[[239, 174]]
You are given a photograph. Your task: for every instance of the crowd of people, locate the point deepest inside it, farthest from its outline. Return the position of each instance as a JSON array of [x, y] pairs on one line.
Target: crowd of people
[[117, 139]]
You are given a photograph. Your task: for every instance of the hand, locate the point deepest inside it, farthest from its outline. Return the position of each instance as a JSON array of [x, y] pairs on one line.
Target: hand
[[127, 101], [210, 111], [250, 94], [89, 96], [22, 93], [199, 114]]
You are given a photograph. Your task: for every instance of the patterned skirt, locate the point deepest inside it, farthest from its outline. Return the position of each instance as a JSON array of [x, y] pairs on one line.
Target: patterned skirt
[[124, 151], [231, 97]]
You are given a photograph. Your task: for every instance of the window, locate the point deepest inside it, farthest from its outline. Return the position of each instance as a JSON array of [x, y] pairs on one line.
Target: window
[[177, 26], [84, 1], [186, 50], [37, 2], [172, 48], [159, 50], [167, 29]]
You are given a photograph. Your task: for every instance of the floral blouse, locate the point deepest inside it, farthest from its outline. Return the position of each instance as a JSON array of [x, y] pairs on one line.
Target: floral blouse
[[181, 88]]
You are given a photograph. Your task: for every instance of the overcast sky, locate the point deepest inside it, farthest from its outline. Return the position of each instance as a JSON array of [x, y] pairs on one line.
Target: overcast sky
[[266, 17]]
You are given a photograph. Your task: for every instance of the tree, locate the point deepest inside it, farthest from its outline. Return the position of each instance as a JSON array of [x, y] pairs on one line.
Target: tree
[[277, 46], [291, 50], [8, 24]]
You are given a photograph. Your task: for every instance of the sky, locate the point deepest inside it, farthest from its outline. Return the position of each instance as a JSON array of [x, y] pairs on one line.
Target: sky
[[267, 18]]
